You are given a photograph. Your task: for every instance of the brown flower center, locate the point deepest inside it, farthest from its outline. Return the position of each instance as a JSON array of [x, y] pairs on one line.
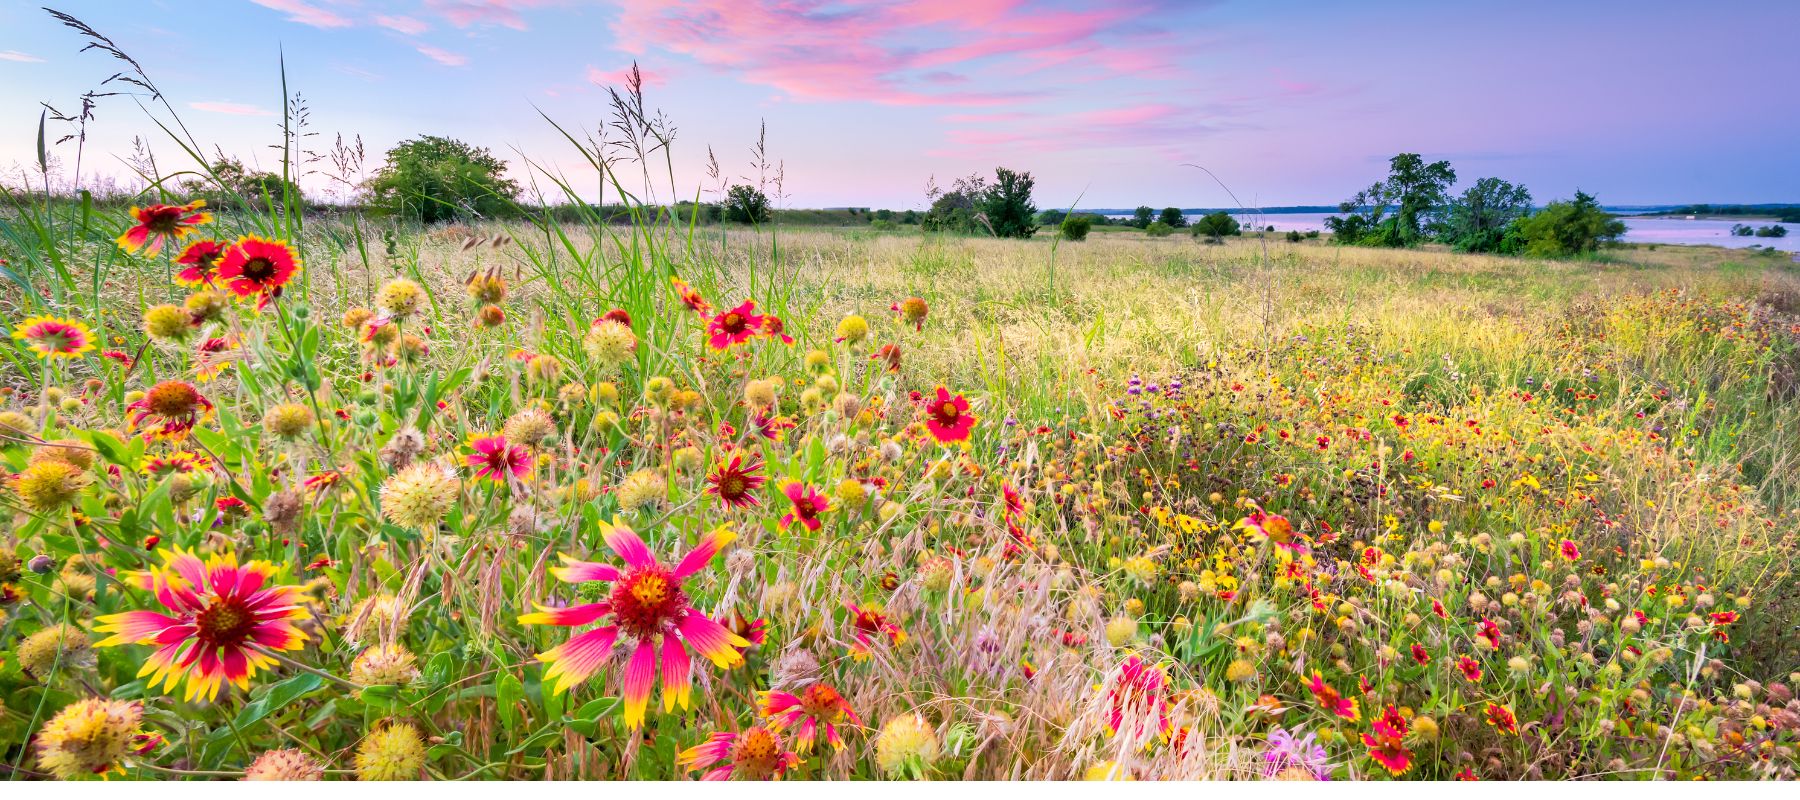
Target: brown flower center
[[225, 621]]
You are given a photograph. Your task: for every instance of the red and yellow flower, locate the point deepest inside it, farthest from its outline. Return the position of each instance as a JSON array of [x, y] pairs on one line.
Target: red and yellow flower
[[495, 460], [947, 417], [223, 620], [1387, 743], [258, 267], [200, 263], [734, 326], [1502, 719], [868, 623], [808, 503], [818, 708], [754, 754], [54, 337], [735, 482], [158, 222], [1330, 700], [170, 409], [648, 608]]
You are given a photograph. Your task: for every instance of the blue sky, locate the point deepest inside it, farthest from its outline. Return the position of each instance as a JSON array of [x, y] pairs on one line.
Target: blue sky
[[1288, 102]]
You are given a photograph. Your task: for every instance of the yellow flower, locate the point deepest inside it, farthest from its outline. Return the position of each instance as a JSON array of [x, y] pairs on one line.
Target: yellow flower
[[394, 753], [88, 737], [907, 744]]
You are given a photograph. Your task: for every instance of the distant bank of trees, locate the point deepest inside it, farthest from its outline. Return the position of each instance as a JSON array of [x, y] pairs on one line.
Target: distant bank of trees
[[1414, 204]]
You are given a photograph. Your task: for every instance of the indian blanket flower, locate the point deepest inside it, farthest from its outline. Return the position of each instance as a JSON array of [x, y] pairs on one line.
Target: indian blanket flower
[[808, 503], [1273, 527], [753, 754], [199, 263], [1569, 550], [868, 623], [648, 608], [1387, 746], [947, 417], [1471, 669], [889, 357], [1502, 718], [494, 459], [734, 326], [1137, 703], [735, 482], [818, 708], [913, 310], [158, 222], [1287, 754], [54, 337], [1330, 700], [691, 298], [254, 266], [169, 410], [90, 737], [223, 620]]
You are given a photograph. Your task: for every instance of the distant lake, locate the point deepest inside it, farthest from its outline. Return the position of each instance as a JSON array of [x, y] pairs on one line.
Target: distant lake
[[1638, 230]]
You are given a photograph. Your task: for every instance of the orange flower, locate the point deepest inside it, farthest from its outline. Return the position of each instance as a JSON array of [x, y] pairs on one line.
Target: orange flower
[[157, 222]]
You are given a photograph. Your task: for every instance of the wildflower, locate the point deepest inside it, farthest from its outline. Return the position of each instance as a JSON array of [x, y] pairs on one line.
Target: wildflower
[[88, 737], [868, 623], [775, 329], [384, 665], [205, 306], [948, 418], [486, 288], [1106, 771], [1240, 671], [907, 745], [285, 765], [1471, 669], [752, 754], [1330, 700], [49, 485], [852, 330], [168, 323], [735, 482], [393, 753], [54, 337], [400, 298], [158, 222], [851, 494], [1388, 748], [225, 616], [760, 394], [913, 310], [494, 459], [642, 488], [259, 267], [889, 356], [420, 496], [1136, 700], [1121, 630], [808, 504], [1569, 550], [1502, 719], [199, 263], [288, 420], [648, 606], [383, 614], [1273, 527], [57, 647], [610, 343], [817, 708], [1420, 655], [735, 326], [691, 298], [173, 408], [530, 427], [1286, 753]]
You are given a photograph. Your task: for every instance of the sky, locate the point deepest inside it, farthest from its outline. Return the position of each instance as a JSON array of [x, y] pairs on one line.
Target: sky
[[1286, 102]]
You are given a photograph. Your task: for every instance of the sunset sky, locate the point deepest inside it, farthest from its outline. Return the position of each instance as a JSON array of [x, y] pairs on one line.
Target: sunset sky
[[1287, 102]]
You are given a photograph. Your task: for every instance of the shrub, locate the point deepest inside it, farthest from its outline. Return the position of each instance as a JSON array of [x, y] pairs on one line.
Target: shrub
[[746, 204], [1173, 218], [1216, 226], [434, 178], [1159, 229], [1568, 227]]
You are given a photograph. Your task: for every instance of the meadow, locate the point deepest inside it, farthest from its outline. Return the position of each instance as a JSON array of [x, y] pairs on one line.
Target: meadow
[[348, 498]]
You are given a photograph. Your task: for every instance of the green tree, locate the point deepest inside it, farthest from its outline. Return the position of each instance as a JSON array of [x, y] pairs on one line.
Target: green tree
[[234, 186], [1568, 227], [1479, 218], [1414, 190], [1173, 218], [433, 178], [1216, 226], [1008, 205], [1076, 228], [1142, 216], [1052, 216], [746, 204], [954, 210]]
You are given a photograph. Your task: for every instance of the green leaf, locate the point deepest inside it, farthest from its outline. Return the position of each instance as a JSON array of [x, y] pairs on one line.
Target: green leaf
[[278, 697], [509, 697]]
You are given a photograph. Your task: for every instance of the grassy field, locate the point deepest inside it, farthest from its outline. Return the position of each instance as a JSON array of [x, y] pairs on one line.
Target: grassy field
[[1127, 507]]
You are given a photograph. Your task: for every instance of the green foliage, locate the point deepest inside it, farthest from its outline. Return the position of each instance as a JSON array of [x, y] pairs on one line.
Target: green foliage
[[1479, 219], [1052, 216], [1075, 229], [1008, 205], [234, 187], [1142, 216], [954, 210], [1173, 218], [1568, 227], [1414, 190], [434, 179], [1159, 229], [746, 205], [1216, 226]]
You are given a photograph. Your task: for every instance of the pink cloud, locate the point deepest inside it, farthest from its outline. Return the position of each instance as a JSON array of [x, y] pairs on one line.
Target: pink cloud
[[443, 56], [465, 13], [898, 54], [403, 24], [614, 78], [234, 109], [306, 13], [23, 58]]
